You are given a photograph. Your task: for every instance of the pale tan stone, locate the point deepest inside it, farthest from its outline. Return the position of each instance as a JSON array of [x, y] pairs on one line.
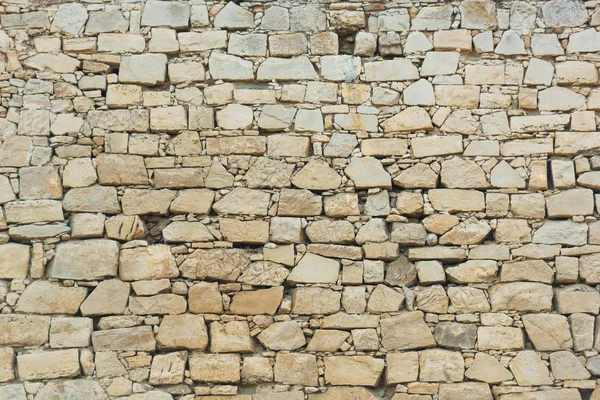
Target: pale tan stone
[[216, 368], [296, 369], [48, 365], [356, 370]]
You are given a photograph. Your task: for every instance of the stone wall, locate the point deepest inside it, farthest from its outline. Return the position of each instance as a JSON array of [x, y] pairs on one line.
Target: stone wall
[[289, 200]]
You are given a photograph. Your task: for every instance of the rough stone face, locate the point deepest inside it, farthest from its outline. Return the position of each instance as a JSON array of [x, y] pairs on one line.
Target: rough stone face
[[307, 300], [151, 262], [263, 301], [414, 333], [296, 369], [42, 297], [315, 269], [289, 199], [217, 368], [282, 336], [24, 330], [124, 339], [486, 368], [48, 365], [437, 365], [521, 296], [231, 337], [87, 260], [109, 297], [357, 370]]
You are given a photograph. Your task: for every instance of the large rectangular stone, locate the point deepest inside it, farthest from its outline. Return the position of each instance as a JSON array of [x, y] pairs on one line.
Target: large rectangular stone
[[252, 145], [539, 123], [572, 143], [48, 365], [84, 260], [430, 146], [456, 200], [24, 330], [139, 338], [30, 211], [120, 120], [525, 147], [143, 69]]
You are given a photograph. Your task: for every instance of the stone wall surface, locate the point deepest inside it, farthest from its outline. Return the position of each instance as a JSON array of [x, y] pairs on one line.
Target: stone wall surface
[[289, 200]]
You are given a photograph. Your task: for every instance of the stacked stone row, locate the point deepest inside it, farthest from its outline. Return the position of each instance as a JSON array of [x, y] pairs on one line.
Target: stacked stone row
[[290, 200]]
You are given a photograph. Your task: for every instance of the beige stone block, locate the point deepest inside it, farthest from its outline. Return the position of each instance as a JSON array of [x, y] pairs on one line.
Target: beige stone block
[[48, 365]]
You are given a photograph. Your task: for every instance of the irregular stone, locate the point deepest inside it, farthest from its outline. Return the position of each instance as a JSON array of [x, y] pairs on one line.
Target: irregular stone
[[317, 175], [84, 260], [59, 63], [229, 67], [436, 146], [43, 297], [14, 261], [48, 365], [356, 370], [216, 368], [521, 296], [468, 300], [390, 70], [219, 264], [453, 335], [282, 336], [109, 297], [296, 369], [500, 338], [143, 69], [559, 99], [243, 201], [548, 332], [205, 297], [340, 68], [368, 172], [24, 330], [264, 273], [282, 69], [120, 121], [150, 262], [530, 270], [561, 232], [253, 302], [159, 304], [234, 17], [315, 269], [564, 13], [69, 19], [313, 300], [450, 391], [180, 231], [231, 337], [174, 333], [478, 14], [529, 369], [437, 365], [577, 299], [165, 13], [384, 299], [409, 119], [414, 333], [140, 338], [168, 369], [486, 368]]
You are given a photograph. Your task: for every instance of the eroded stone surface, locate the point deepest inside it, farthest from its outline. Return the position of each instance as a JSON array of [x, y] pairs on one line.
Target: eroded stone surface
[[208, 199]]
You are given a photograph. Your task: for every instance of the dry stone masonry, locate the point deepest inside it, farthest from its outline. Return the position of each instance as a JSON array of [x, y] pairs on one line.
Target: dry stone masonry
[[299, 200]]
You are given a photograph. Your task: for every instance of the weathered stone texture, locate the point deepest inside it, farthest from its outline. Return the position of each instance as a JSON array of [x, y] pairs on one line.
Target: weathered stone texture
[[208, 199]]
